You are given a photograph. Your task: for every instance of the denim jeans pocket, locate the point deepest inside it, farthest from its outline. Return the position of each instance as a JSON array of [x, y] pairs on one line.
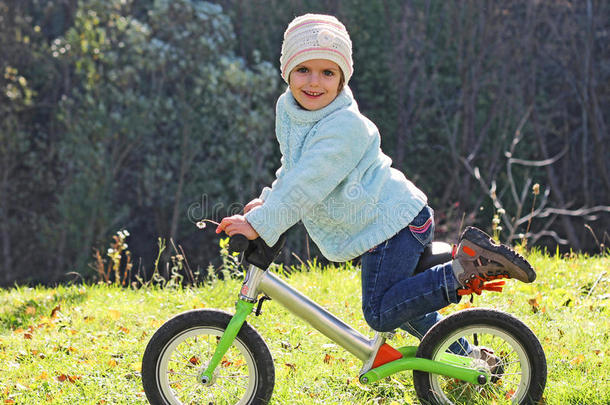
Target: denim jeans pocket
[[422, 226]]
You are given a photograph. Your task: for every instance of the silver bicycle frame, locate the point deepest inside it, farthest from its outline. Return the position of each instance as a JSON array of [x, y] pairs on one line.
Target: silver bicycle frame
[[259, 281]]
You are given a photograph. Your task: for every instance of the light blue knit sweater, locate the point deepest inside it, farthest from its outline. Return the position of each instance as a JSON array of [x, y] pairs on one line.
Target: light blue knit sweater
[[335, 178]]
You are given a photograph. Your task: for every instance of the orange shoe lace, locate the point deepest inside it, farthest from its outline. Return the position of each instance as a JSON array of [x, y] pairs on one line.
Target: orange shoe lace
[[479, 284]]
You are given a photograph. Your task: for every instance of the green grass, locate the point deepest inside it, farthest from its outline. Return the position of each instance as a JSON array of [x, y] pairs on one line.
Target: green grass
[[83, 344]]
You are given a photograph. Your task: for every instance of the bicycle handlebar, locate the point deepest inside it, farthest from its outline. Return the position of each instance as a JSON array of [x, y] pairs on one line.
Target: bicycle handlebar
[[238, 243], [256, 251]]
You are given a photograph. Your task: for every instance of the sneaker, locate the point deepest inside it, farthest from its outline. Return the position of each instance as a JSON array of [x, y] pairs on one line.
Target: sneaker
[[486, 359], [478, 259]]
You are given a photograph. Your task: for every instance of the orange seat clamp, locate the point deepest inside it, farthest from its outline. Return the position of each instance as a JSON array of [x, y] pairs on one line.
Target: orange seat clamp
[[386, 354]]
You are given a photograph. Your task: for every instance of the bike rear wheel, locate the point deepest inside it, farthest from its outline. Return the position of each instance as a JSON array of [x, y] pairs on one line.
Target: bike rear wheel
[[518, 368], [182, 348]]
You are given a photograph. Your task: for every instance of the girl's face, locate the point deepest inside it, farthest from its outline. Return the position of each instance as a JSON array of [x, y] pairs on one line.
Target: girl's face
[[315, 83]]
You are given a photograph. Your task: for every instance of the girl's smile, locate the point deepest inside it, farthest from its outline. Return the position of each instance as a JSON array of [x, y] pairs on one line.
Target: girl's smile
[[315, 83]]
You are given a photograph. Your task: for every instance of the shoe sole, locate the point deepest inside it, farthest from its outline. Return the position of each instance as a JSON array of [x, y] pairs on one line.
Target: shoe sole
[[482, 240]]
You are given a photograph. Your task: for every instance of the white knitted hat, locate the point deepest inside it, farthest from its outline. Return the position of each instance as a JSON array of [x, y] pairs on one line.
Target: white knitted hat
[[316, 36]]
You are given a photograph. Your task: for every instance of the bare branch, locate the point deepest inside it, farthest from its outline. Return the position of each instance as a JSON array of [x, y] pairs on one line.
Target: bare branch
[[535, 236], [536, 213], [490, 190], [540, 212], [574, 213], [537, 163], [517, 136]]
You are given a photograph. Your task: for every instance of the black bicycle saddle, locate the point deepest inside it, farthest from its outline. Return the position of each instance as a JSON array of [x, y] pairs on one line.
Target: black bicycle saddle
[[434, 253]]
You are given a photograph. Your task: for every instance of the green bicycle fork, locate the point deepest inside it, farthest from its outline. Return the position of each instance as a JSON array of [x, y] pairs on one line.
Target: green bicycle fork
[[451, 365], [243, 309]]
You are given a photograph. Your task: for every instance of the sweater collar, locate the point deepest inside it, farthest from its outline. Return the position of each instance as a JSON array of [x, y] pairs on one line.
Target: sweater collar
[[296, 112]]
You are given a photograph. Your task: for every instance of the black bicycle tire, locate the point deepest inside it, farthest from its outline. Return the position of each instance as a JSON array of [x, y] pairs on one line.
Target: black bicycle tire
[[247, 335], [493, 318]]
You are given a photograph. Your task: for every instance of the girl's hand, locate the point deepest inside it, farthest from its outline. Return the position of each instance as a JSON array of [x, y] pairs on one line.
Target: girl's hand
[[237, 224], [253, 204]]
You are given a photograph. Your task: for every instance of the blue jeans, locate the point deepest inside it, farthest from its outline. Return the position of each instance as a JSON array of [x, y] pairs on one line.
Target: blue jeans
[[392, 296]]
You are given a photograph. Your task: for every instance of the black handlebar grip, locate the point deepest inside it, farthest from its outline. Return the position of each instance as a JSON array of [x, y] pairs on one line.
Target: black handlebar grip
[[238, 243]]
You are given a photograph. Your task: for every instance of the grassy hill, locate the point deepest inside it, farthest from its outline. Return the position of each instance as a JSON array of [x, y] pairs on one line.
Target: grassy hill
[[83, 343]]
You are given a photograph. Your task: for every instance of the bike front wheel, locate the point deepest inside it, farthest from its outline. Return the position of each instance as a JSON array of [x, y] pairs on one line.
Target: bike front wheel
[[182, 348], [497, 343]]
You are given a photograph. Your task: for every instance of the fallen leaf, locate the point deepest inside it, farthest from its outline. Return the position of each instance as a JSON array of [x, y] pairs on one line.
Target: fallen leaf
[[114, 314], [55, 310], [30, 310], [535, 303], [112, 363]]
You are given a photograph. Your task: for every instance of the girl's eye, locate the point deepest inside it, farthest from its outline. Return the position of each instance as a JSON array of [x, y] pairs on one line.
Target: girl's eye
[[328, 73], [302, 70]]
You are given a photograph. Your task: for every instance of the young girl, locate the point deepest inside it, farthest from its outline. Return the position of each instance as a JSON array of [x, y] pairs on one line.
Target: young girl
[[337, 181]]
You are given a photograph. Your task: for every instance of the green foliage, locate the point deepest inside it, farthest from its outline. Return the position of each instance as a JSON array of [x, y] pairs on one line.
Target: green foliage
[[230, 261], [156, 108]]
